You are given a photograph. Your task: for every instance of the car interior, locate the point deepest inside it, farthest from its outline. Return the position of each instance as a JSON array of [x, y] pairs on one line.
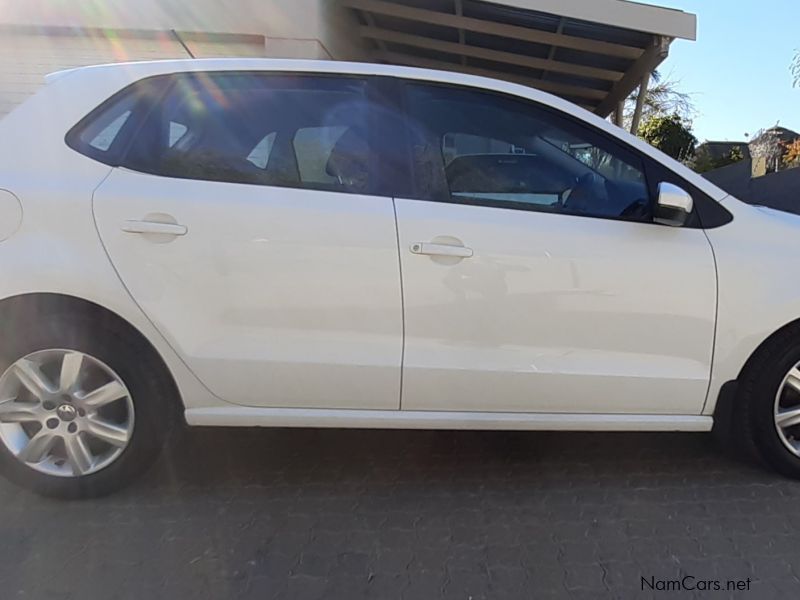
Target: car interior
[[463, 150], [252, 138], [526, 161]]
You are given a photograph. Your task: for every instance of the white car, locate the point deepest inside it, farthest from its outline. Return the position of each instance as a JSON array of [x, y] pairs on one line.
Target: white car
[[250, 242]]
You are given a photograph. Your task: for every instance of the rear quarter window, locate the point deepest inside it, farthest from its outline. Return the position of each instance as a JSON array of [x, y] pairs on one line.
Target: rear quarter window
[[105, 133]]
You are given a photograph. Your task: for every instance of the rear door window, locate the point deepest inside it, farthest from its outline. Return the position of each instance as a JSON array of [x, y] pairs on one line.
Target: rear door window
[[304, 131], [259, 155]]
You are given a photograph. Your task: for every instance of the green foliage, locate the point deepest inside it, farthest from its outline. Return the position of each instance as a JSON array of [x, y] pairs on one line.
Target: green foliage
[[662, 98], [704, 162], [671, 134]]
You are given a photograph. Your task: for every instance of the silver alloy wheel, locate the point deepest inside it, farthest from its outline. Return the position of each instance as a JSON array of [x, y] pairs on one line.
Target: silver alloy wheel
[[787, 410], [64, 413]]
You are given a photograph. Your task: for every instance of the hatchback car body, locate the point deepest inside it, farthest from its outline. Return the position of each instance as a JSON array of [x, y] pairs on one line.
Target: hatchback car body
[[248, 242]]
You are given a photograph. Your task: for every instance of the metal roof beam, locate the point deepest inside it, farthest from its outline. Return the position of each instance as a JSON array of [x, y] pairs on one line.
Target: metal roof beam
[[516, 32], [547, 86], [637, 16], [462, 35], [647, 63], [498, 56]]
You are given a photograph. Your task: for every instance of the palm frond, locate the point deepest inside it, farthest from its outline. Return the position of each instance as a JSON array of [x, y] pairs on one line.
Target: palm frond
[[662, 98], [795, 68]]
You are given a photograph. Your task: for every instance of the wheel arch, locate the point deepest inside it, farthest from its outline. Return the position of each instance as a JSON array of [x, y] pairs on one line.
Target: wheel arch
[[795, 324], [16, 310], [727, 400]]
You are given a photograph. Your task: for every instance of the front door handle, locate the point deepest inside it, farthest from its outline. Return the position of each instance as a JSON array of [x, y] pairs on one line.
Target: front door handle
[[430, 249], [154, 227]]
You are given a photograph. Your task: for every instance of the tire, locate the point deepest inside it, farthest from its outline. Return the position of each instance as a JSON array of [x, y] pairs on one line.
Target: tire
[[759, 385], [111, 345]]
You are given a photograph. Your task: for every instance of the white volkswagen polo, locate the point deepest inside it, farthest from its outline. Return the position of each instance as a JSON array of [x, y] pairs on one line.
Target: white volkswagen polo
[[321, 244]]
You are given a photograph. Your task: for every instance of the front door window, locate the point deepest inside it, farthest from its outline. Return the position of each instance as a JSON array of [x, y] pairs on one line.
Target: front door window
[[476, 148]]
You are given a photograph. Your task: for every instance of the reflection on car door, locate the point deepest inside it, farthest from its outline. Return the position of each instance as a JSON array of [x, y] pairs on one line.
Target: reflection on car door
[[247, 227], [548, 293]]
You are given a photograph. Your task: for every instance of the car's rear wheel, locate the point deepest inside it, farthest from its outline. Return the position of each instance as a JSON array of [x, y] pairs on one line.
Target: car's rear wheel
[[84, 408], [769, 402]]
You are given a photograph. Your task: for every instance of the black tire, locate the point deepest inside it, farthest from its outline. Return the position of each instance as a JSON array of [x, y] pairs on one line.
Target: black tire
[[152, 392], [758, 387]]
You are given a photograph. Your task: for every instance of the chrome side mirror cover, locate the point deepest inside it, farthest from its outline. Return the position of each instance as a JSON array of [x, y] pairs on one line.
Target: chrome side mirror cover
[[674, 205]]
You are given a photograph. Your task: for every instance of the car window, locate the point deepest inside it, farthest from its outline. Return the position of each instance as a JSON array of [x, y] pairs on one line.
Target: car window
[[104, 134], [259, 155], [476, 147], [104, 130], [264, 129], [601, 161], [313, 147], [176, 132], [104, 139]]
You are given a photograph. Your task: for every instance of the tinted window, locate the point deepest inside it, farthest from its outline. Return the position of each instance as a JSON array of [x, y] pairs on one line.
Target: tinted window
[[313, 147], [292, 131], [476, 147], [259, 155], [105, 132], [105, 137], [176, 132]]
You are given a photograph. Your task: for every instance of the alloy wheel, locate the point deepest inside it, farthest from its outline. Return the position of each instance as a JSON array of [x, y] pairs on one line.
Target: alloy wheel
[[787, 410], [64, 412]]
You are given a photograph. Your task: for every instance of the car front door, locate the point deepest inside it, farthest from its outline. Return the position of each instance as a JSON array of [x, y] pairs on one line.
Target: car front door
[[534, 279], [248, 224]]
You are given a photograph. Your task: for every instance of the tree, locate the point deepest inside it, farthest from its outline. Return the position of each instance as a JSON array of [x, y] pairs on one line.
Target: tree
[[672, 134], [662, 98], [767, 150], [704, 162], [735, 155], [796, 69], [791, 160]]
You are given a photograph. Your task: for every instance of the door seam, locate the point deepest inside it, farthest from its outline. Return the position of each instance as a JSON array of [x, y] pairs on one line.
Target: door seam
[[135, 301], [712, 370], [402, 303]]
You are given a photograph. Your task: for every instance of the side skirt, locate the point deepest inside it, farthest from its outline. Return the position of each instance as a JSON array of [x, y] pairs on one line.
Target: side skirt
[[396, 419]]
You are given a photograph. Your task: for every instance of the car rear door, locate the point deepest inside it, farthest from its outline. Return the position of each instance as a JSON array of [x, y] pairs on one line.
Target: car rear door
[[534, 279], [249, 224]]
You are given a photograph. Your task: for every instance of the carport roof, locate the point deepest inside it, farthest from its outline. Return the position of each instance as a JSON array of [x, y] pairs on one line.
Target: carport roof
[[594, 53]]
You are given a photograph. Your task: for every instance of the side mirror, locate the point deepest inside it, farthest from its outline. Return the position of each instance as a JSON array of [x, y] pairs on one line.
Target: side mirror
[[674, 205]]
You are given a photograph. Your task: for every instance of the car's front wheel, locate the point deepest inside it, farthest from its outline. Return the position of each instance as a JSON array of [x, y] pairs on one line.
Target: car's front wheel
[[769, 402], [83, 407]]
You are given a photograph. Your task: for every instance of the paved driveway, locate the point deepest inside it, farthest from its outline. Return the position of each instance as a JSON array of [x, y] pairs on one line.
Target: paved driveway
[[420, 515]]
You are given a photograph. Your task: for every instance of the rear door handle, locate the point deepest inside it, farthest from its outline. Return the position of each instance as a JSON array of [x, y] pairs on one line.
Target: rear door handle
[[430, 249], [154, 227]]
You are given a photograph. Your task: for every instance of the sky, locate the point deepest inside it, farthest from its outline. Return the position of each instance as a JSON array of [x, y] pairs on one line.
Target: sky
[[738, 69]]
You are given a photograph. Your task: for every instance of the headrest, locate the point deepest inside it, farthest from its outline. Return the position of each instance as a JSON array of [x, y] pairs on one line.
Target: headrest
[[349, 161]]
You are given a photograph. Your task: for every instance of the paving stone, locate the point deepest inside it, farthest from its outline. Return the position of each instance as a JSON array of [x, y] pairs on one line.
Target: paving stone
[[305, 514]]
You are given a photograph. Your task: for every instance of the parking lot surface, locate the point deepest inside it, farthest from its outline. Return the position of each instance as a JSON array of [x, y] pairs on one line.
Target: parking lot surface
[[416, 515]]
